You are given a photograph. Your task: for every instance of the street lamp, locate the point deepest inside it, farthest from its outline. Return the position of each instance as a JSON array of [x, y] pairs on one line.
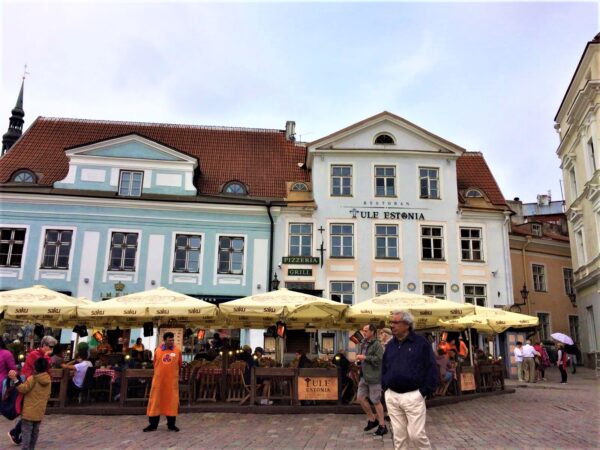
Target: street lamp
[[274, 282], [524, 295]]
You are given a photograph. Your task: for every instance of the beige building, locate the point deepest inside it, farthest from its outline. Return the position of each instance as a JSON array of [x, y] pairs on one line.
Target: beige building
[[578, 124], [541, 266]]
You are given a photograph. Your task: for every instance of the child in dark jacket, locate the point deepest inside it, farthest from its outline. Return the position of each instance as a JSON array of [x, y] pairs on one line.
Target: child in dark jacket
[[36, 392]]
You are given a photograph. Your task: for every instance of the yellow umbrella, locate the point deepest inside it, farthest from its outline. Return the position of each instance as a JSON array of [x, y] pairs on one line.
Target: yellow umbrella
[[294, 308], [37, 304], [490, 320], [159, 304], [427, 310]]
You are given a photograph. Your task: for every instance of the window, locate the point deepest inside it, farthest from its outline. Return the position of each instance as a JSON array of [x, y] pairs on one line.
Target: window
[[231, 255], [432, 243], [429, 182], [12, 241], [437, 290], [342, 291], [544, 326], [475, 294], [130, 183], [342, 236], [536, 229], [300, 239], [591, 156], [235, 188], [187, 253], [386, 241], [473, 193], [341, 181], [383, 139], [539, 277], [57, 247], [573, 182], [385, 181], [580, 248], [384, 287], [24, 176], [568, 280], [300, 187], [123, 249], [471, 244], [591, 330], [574, 328]]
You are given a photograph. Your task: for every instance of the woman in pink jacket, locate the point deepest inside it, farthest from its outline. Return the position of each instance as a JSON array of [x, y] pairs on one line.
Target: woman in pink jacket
[[7, 361]]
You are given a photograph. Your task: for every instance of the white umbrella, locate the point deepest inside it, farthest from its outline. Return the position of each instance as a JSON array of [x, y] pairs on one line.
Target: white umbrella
[[560, 337]]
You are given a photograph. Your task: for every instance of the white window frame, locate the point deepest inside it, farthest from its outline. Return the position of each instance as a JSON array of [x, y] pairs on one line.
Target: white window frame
[[244, 251], [394, 178], [537, 229], [437, 284], [439, 182], [470, 240], [376, 292], [396, 236], [66, 272], [544, 274], [121, 172], [571, 281], [330, 176], [187, 276], [537, 313], [122, 258], [575, 336], [222, 278], [119, 274], [290, 234], [60, 232], [590, 153], [330, 226], [421, 248], [11, 243], [474, 295], [330, 292], [18, 271]]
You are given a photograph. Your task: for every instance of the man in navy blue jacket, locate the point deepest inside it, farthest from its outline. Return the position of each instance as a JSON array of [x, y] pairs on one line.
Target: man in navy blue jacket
[[409, 373]]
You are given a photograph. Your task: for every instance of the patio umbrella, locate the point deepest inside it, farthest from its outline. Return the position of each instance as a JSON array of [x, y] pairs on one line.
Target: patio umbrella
[[490, 320], [157, 305], [427, 310], [560, 337], [37, 304], [294, 308]]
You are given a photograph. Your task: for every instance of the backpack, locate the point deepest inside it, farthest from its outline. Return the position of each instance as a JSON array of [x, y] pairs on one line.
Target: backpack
[[11, 401]]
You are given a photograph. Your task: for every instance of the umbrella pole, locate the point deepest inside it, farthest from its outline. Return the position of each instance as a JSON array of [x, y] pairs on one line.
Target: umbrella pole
[[471, 348]]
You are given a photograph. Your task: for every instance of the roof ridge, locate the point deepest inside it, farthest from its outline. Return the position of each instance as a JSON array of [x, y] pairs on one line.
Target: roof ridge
[[154, 124]]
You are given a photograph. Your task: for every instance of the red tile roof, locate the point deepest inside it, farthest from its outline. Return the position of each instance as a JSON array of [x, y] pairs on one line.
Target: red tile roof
[[473, 171], [525, 230], [262, 159]]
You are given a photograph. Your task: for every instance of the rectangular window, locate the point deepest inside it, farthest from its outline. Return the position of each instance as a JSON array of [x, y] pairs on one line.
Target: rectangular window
[[573, 181], [385, 181], [429, 182], [342, 291], [231, 255], [341, 181], [187, 253], [544, 327], [432, 243], [123, 249], [580, 248], [385, 287], [591, 331], [536, 229], [568, 280], [130, 183], [12, 241], [300, 239], [342, 240], [437, 290], [386, 241], [539, 277], [574, 328], [471, 244], [57, 247], [591, 156], [475, 294]]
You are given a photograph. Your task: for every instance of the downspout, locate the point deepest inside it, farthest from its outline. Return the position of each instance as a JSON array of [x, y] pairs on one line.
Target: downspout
[[271, 245]]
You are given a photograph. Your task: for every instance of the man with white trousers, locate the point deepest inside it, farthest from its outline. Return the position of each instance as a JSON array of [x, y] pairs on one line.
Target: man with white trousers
[[409, 373]]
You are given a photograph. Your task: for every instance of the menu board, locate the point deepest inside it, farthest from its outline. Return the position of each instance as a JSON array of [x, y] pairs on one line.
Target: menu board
[[178, 332]]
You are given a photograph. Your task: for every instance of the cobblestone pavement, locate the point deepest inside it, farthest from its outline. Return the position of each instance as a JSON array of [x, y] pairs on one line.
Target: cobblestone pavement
[[543, 415]]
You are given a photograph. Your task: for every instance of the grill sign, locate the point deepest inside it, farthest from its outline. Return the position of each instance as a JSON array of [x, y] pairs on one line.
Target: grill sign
[[317, 388], [300, 272]]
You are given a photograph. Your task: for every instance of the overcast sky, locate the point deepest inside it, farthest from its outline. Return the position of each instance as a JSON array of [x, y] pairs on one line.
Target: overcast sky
[[486, 76]]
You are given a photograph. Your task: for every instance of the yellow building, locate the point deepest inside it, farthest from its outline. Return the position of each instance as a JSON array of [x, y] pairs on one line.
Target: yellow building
[[578, 124]]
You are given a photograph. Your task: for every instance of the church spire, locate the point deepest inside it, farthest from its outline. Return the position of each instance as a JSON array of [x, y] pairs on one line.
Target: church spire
[[15, 123]]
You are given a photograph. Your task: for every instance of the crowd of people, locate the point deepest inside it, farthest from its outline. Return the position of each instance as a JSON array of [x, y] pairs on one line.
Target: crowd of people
[[533, 361]]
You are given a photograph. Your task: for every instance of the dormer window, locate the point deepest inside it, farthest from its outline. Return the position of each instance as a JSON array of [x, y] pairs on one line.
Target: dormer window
[[130, 183], [536, 229], [299, 187], [474, 193], [384, 139], [235, 188], [24, 176]]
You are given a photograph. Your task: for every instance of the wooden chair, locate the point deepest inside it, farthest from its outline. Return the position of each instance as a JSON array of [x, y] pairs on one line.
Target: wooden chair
[[207, 383], [237, 389], [56, 376], [186, 382], [102, 385]]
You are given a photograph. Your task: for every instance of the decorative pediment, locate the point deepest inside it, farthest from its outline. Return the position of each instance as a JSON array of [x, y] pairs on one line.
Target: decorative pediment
[[575, 215]]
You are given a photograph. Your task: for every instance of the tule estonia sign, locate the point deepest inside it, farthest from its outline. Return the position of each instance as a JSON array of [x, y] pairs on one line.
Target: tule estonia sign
[[317, 388]]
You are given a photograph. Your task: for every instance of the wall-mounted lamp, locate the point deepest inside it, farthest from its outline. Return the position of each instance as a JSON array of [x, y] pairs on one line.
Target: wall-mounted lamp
[[86, 280], [494, 273], [152, 282], [275, 283], [258, 286]]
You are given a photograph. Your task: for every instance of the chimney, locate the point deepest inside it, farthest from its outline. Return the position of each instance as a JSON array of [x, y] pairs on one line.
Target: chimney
[[290, 130]]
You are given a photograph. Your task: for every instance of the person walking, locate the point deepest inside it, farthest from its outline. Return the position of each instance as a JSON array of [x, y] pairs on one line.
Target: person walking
[[562, 363], [46, 348], [518, 352], [36, 392], [409, 373], [7, 361], [164, 394], [371, 353], [529, 354]]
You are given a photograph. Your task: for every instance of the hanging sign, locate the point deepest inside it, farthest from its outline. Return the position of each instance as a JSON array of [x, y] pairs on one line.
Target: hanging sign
[[300, 272]]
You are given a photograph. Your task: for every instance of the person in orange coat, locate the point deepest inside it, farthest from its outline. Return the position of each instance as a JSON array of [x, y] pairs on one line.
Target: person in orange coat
[[164, 395]]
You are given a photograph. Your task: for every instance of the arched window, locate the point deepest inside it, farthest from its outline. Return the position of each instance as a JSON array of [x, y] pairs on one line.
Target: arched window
[[235, 188], [24, 176], [474, 193], [384, 138], [299, 187]]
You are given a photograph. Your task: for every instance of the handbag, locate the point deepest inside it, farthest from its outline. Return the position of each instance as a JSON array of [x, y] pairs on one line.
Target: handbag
[[11, 402]]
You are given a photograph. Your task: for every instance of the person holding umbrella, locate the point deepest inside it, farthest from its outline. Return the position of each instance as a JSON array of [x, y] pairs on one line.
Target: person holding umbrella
[[562, 362]]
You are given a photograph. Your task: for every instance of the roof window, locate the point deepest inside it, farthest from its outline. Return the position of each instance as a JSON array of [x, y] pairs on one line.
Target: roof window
[[384, 138], [473, 193], [235, 188], [24, 176]]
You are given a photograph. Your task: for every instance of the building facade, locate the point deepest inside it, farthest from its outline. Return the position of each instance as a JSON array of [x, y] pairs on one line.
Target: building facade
[[578, 125]]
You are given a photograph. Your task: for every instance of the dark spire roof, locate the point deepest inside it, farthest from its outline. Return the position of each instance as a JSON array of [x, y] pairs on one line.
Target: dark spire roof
[[15, 123]]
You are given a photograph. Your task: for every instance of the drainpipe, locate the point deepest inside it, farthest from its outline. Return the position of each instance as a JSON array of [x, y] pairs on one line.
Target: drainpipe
[[529, 239], [271, 245]]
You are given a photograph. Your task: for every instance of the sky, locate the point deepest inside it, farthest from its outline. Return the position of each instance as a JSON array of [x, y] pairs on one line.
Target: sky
[[487, 76]]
